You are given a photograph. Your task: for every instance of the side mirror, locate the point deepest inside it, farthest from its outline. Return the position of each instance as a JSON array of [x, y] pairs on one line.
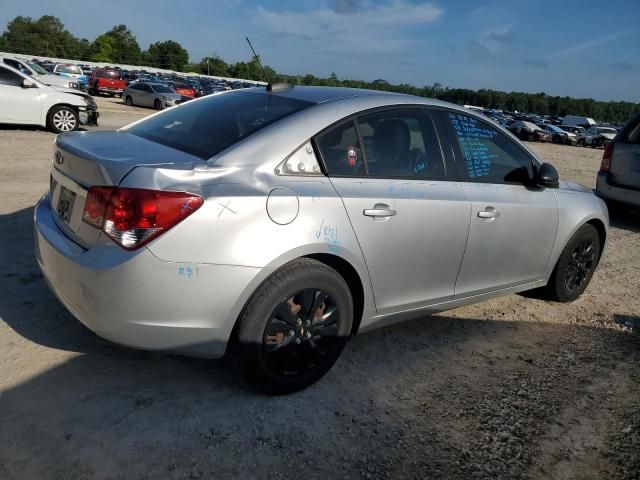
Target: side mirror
[[26, 83], [547, 176]]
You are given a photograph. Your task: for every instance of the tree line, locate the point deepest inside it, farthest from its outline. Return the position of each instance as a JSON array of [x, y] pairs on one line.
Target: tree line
[[47, 36]]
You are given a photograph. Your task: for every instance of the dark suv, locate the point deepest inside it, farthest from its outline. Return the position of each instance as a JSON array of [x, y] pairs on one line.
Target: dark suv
[[619, 175]]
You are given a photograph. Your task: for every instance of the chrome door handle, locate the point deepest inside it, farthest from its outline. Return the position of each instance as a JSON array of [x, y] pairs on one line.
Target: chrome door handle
[[379, 210], [489, 212]]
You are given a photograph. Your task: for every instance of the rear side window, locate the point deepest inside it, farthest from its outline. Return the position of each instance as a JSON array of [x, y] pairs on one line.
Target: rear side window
[[484, 154], [206, 127], [341, 150], [631, 132], [401, 143], [388, 144]]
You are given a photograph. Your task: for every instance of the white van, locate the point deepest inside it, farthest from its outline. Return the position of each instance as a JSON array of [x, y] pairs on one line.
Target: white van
[[585, 122]]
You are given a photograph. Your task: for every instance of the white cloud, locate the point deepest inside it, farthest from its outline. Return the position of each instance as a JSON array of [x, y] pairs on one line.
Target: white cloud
[[593, 43], [366, 29]]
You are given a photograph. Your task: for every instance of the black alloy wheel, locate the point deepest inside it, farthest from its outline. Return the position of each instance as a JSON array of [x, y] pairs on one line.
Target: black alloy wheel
[[580, 265], [302, 331]]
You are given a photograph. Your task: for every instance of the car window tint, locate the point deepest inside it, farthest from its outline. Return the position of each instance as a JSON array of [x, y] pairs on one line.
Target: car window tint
[[7, 77], [486, 154], [632, 131], [401, 143], [341, 150], [211, 125]]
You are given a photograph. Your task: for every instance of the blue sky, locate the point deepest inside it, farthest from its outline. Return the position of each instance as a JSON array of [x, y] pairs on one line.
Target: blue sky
[[580, 48]]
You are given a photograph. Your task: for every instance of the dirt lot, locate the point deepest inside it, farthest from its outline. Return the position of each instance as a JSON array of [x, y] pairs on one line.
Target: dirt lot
[[511, 388]]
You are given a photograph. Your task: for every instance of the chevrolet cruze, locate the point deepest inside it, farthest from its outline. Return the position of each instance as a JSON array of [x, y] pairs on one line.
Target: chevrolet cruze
[[273, 224]]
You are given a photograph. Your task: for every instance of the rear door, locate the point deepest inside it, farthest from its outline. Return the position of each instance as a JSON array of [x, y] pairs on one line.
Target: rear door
[[625, 164], [409, 213], [513, 225]]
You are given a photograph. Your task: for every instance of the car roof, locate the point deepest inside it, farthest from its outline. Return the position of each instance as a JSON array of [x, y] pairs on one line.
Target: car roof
[[325, 94]]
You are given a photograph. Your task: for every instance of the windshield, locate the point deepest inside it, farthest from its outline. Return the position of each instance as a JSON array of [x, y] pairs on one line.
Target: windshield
[[107, 74], [72, 69], [38, 69], [162, 88], [207, 127]]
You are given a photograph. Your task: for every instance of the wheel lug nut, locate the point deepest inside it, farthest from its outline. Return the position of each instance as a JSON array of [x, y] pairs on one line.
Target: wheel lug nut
[[307, 322], [291, 333], [299, 322], [308, 334], [298, 341]]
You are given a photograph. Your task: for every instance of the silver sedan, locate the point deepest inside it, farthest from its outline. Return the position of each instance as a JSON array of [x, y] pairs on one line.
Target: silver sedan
[[274, 224], [156, 95]]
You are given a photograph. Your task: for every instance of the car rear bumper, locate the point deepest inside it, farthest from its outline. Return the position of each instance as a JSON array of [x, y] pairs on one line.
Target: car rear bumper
[[138, 300], [615, 192]]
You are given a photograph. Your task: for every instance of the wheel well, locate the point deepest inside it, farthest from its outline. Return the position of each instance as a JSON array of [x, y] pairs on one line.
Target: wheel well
[[350, 275], [602, 232], [74, 107]]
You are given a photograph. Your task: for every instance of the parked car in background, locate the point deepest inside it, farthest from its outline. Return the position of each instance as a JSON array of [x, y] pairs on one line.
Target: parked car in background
[[599, 136], [67, 70], [147, 94], [618, 180], [579, 132], [558, 135], [578, 121], [183, 89], [27, 101], [36, 71], [529, 131], [106, 81], [253, 222]]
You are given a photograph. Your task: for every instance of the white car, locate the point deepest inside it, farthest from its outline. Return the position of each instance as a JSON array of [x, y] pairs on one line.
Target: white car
[[27, 101], [36, 71]]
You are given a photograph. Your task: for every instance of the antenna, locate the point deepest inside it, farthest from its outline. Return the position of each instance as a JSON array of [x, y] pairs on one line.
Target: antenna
[[271, 87], [255, 55]]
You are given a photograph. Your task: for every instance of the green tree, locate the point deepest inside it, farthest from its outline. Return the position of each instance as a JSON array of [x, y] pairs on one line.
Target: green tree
[[102, 49], [125, 46], [168, 54]]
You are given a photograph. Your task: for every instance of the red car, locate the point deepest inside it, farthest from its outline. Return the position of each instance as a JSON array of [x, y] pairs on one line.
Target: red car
[[185, 90], [103, 80]]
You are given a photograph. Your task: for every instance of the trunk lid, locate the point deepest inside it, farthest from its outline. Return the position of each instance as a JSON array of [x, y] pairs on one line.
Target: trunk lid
[[82, 160]]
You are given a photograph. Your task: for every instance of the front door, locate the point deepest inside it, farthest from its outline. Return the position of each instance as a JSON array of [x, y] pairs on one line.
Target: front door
[[513, 224], [410, 219], [19, 104]]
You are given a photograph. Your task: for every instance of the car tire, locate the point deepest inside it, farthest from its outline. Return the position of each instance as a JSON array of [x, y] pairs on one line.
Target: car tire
[[157, 105], [576, 265], [272, 348], [129, 101], [63, 118]]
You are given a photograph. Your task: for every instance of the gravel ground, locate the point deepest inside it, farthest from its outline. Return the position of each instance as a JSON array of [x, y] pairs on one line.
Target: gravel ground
[[511, 388]]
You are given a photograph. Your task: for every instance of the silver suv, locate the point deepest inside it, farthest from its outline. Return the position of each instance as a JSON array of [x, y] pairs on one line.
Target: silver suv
[[619, 176]]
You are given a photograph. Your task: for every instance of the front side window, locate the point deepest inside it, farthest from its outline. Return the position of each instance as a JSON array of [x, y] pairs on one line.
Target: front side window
[[7, 77], [211, 125], [484, 154]]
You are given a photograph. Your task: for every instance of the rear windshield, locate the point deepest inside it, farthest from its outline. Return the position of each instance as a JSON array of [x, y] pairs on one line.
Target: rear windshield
[[206, 127], [107, 74], [72, 69]]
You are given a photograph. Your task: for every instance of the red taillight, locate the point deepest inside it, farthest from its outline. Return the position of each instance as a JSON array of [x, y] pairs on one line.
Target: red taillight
[[607, 157], [132, 217]]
